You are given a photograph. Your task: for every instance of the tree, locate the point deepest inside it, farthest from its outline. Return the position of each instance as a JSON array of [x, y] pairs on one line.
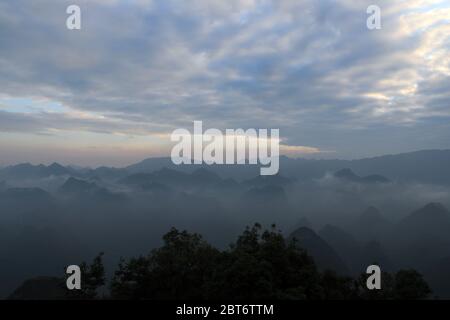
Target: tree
[[177, 270], [92, 278], [403, 285], [410, 285], [259, 265]]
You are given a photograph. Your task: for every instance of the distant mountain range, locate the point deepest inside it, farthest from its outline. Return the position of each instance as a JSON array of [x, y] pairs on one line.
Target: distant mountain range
[[349, 176], [324, 255], [428, 166]]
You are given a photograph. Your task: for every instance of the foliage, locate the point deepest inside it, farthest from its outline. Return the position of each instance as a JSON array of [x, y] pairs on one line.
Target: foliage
[[260, 265], [93, 277]]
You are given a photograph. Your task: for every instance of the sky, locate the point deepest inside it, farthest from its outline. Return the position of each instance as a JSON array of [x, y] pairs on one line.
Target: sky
[[112, 92]]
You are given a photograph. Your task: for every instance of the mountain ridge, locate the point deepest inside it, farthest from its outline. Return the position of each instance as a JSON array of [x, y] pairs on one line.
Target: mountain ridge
[[424, 166]]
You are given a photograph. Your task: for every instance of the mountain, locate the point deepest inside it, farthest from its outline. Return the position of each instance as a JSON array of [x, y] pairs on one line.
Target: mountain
[[374, 253], [150, 165], [77, 186], [137, 179], [370, 225], [349, 176], [432, 220], [228, 171], [439, 279], [25, 197], [323, 254], [423, 237], [156, 188], [30, 205], [302, 222], [426, 166], [266, 194], [26, 171], [40, 288], [345, 245], [206, 177], [106, 173], [267, 205], [29, 171], [90, 193], [173, 178], [55, 169], [276, 180], [375, 178]]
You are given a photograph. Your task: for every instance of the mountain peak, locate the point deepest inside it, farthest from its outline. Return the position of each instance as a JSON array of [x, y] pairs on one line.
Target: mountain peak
[[324, 255], [346, 173], [349, 175], [55, 165], [73, 185], [433, 219], [435, 207], [56, 169], [431, 210]]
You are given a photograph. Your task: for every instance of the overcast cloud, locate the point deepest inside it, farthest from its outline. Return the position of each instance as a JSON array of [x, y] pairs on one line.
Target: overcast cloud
[[310, 68]]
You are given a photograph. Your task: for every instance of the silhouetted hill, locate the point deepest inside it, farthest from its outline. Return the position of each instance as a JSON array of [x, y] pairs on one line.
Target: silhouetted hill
[[40, 288], [106, 173], [204, 176], [374, 253], [370, 225], [29, 171], [275, 180], [267, 204], [423, 237], [156, 188], [345, 245], [90, 193], [266, 194], [77, 186], [151, 165], [432, 220], [323, 254], [32, 206], [427, 166], [173, 178], [56, 169], [349, 176], [25, 197], [439, 279], [303, 222], [137, 179]]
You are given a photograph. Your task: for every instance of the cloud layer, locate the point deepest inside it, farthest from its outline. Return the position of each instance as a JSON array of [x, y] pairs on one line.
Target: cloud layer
[[310, 68]]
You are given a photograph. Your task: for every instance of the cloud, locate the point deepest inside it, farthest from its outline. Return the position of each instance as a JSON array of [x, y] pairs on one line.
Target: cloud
[[298, 150], [310, 68], [51, 123]]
